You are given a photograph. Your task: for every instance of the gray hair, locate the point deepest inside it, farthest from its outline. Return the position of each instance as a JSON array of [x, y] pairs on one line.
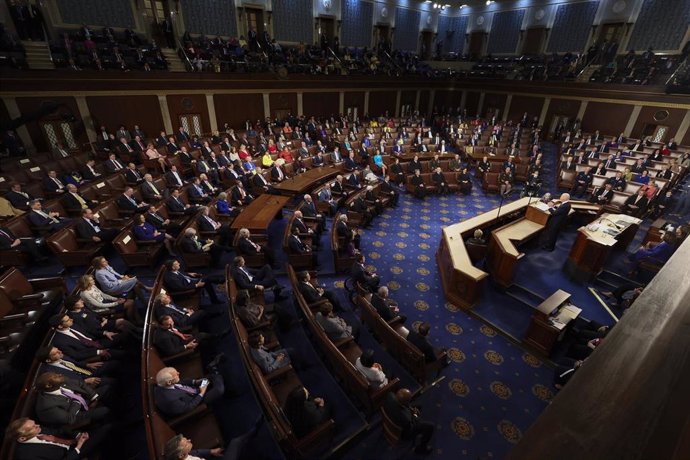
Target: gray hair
[[190, 231], [164, 376]]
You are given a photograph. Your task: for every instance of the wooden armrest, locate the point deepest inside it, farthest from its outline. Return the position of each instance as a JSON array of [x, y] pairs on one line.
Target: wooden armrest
[[125, 212], [199, 410], [316, 434], [29, 297], [278, 373], [318, 303], [261, 325], [183, 355], [147, 242], [392, 383], [15, 317], [343, 342], [395, 321]]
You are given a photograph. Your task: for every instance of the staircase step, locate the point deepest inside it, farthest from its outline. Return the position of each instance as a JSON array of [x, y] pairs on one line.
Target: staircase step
[[524, 295]]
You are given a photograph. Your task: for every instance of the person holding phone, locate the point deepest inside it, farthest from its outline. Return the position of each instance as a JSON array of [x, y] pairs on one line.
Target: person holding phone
[[174, 396]]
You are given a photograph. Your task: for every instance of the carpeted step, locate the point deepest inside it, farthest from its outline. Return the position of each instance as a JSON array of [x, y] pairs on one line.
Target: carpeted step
[[524, 295]]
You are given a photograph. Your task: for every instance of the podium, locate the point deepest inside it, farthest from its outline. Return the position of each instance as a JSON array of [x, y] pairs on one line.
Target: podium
[[549, 321]]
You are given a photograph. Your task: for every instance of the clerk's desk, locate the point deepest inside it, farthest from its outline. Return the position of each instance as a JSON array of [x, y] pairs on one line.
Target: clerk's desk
[[549, 321], [594, 242], [461, 280]]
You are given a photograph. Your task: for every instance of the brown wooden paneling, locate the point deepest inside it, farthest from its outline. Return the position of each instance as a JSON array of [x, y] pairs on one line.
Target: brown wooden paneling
[[447, 99], [472, 102], [31, 105], [408, 98], [564, 107], [113, 111], [354, 99], [646, 117], [380, 102], [237, 108], [423, 101], [521, 104], [607, 118], [494, 103], [283, 101], [321, 104], [181, 104]]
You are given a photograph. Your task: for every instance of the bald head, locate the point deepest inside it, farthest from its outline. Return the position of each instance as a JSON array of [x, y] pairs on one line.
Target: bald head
[[565, 197], [403, 396]]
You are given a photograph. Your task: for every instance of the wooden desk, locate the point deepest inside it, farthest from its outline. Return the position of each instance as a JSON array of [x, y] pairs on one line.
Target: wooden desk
[[503, 255], [307, 180], [258, 215], [654, 233], [549, 321], [591, 248], [461, 280]]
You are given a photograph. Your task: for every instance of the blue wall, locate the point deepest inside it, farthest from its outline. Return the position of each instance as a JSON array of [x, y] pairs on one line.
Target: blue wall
[[293, 21], [455, 41], [406, 29], [505, 31], [357, 17], [113, 13], [210, 17], [661, 25], [572, 26]]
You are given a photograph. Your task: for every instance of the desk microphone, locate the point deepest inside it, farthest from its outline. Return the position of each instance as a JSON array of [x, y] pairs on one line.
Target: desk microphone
[[601, 219]]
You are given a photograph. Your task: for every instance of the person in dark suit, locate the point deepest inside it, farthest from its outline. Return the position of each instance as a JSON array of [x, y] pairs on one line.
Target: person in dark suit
[[313, 293], [127, 202], [169, 341], [181, 135], [418, 182], [386, 307], [173, 178], [297, 246], [148, 189], [74, 200], [248, 247], [25, 245], [52, 184], [177, 281], [19, 198], [191, 244], [95, 375], [161, 223], [582, 181], [66, 404], [113, 165], [175, 204], [557, 219], [636, 204], [50, 220], [349, 235], [362, 275], [239, 196], [34, 442], [253, 278], [88, 172], [132, 174], [88, 228], [305, 412], [79, 344], [359, 206], [419, 339], [398, 409], [387, 189], [438, 178], [174, 396], [603, 195]]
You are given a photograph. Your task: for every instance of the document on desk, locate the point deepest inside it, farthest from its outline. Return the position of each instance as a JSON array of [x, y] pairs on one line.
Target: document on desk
[[599, 236], [540, 205]]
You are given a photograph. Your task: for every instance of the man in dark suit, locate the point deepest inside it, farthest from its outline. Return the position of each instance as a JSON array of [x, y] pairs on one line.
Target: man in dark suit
[[386, 307], [37, 443], [197, 192], [398, 409], [191, 244], [349, 235], [360, 274], [582, 181], [239, 196], [169, 341], [297, 246], [253, 278], [603, 195], [174, 396], [78, 344], [67, 404], [248, 247], [419, 339], [313, 293], [148, 189], [132, 174], [25, 245], [74, 200], [113, 165], [52, 184], [19, 198], [88, 228], [127, 202], [181, 135], [418, 183], [173, 178], [558, 216], [636, 204], [49, 220], [53, 360], [184, 317], [161, 223], [89, 172], [177, 281], [175, 204]]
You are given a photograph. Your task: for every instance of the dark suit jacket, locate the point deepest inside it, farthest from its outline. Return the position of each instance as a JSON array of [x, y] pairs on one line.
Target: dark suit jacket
[[309, 209], [187, 244], [172, 180], [297, 246], [126, 205], [88, 322], [24, 451], [71, 202], [558, 215], [61, 411], [84, 230], [175, 206], [51, 186], [384, 311], [176, 282], [173, 401], [131, 176], [74, 347], [246, 247], [423, 344], [642, 204], [38, 220], [168, 343], [110, 167], [18, 200], [241, 278], [309, 292], [399, 414]]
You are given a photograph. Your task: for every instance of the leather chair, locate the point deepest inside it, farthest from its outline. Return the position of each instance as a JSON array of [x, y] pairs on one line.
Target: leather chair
[[490, 182], [70, 253], [136, 253]]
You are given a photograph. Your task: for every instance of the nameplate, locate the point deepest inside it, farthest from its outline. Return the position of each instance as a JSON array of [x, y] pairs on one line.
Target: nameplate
[[24, 161], [35, 168], [101, 185], [126, 239]]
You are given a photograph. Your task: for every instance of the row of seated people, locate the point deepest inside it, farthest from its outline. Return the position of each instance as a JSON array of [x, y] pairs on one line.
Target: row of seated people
[[69, 406]]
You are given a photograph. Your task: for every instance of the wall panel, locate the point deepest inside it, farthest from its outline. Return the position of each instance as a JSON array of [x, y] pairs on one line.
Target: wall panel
[[355, 99], [210, 17], [423, 101], [320, 104], [237, 108], [607, 118], [181, 104], [562, 107], [357, 18], [380, 102], [30, 105], [646, 116], [522, 104], [113, 111], [446, 99], [408, 98], [112, 13], [283, 101], [494, 103], [472, 103]]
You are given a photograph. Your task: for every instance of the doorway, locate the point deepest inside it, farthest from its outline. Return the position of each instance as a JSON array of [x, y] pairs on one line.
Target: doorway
[[352, 112], [327, 25], [476, 47], [534, 41], [255, 21], [383, 36], [427, 44], [657, 132]]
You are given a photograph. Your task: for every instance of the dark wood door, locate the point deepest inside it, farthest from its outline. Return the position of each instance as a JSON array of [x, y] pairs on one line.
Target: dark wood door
[[476, 44], [328, 28], [255, 20], [427, 44], [534, 41]]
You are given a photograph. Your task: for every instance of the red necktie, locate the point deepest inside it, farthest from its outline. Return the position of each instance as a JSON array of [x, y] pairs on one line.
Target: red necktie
[[85, 340], [179, 334]]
